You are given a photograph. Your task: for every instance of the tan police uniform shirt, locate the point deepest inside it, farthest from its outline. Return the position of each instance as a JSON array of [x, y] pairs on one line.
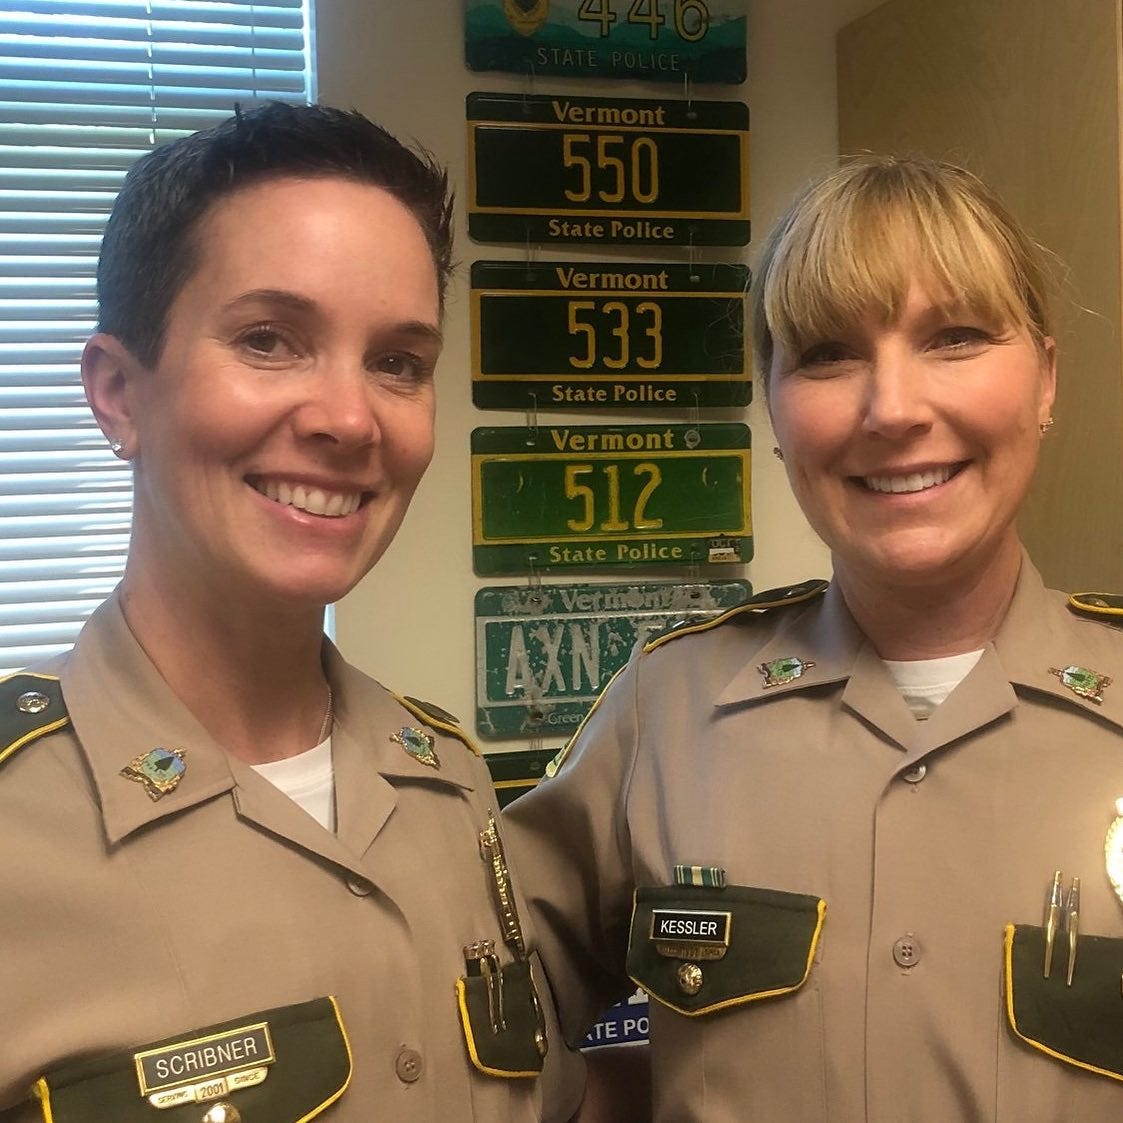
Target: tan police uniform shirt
[[125, 921], [924, 839]]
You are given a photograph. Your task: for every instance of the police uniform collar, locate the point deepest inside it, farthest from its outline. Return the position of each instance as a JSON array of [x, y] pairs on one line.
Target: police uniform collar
[[374, 714], [121, 709], [822, 632], [1041, 633]]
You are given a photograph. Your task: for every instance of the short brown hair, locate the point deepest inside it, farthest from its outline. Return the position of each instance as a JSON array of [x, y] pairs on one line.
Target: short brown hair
[[853, 240]]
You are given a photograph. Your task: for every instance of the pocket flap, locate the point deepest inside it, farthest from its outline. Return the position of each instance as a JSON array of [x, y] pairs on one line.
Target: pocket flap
[[505, 1030], [701, 949], [1079, 1024], [286, 1064]]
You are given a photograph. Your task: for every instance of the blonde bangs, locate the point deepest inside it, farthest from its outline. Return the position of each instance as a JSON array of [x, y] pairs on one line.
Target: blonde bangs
[[851, 246]]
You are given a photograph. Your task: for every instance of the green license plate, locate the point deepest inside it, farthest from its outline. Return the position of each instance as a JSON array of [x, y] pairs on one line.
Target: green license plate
[[654, 40], [639, 495], [615, 171], [544, 653], [573, 335]]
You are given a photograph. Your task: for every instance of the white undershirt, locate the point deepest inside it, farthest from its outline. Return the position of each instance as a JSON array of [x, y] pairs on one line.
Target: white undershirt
[[308, 779], [925, 683]]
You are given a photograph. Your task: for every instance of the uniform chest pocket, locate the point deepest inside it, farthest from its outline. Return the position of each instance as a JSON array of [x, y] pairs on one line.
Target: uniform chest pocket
[[1080, 1024], [284, 1065], [701, 949]]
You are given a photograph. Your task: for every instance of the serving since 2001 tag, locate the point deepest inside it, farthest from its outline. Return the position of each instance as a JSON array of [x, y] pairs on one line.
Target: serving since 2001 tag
[[205, 1068]]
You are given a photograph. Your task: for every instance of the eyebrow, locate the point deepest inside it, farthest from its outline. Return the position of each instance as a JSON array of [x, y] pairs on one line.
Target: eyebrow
[[303, 304]]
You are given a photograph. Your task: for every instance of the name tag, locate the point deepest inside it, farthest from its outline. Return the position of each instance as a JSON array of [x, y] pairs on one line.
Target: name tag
[[690, 933], [204, 1059]]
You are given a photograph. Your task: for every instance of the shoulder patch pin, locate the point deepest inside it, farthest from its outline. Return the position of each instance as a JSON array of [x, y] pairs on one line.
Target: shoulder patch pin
[[159, 770], [1088, 684], [418, 744], [779, 672]]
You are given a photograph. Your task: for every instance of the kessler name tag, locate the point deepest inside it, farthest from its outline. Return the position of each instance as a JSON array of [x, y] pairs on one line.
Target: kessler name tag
[[691, 933], [205, 1067]]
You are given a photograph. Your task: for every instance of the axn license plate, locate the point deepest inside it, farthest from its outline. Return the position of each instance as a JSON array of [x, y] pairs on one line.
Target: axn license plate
[[573, 335], [656, 40], [564, 496], [544, 653], [615, 171]]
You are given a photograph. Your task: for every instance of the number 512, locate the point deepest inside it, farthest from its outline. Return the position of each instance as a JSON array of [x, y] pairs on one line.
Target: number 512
[[614, 524]]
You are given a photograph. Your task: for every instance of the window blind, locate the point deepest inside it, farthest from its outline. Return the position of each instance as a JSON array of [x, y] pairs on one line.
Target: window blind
[[87, 86]]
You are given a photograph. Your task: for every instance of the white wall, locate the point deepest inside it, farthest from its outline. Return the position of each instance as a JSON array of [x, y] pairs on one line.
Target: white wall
[[410, 623]]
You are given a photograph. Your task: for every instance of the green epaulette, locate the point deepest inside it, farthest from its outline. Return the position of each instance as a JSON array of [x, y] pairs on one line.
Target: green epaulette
[[31, 706], [432, 715], [1105, 607], [762, 602]]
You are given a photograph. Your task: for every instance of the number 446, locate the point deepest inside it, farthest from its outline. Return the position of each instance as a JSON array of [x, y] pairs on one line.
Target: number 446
[[691, 18]]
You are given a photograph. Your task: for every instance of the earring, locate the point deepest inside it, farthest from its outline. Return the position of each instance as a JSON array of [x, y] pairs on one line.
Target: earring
[[778, 452], [116, 445], [1045, 425]]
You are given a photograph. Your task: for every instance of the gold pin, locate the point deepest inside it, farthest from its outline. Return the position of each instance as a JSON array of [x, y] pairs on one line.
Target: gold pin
[[159, 770], [779, 672], [491, 850], [418, 744], [1083, 682]]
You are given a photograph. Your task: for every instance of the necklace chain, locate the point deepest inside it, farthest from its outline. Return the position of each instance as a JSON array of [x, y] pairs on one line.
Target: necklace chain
[[328, 715]]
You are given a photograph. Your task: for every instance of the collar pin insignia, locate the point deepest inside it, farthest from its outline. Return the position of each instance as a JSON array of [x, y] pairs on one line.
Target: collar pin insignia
[[779, 672], [418, 744], [159, 770], [1113, 851], [1088, 684]]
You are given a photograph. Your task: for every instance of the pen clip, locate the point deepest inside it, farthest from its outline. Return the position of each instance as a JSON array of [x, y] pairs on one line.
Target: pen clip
[[480, 959], [1054, 903], [1072, 926]]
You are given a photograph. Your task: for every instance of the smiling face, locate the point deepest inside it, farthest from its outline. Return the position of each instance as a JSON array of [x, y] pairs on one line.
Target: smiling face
[[279, 438], [910, 445]]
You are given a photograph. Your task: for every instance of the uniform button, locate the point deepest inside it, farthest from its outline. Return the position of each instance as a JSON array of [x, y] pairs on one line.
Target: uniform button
[[359, 886], [408, 1065], [915, 775], [906, 950], [32, 702]]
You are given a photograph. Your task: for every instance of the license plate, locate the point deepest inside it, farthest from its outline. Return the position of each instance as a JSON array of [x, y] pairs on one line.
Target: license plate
[[560, 497], [588, 335], [544, 653], [615, 171], [654, 40]]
